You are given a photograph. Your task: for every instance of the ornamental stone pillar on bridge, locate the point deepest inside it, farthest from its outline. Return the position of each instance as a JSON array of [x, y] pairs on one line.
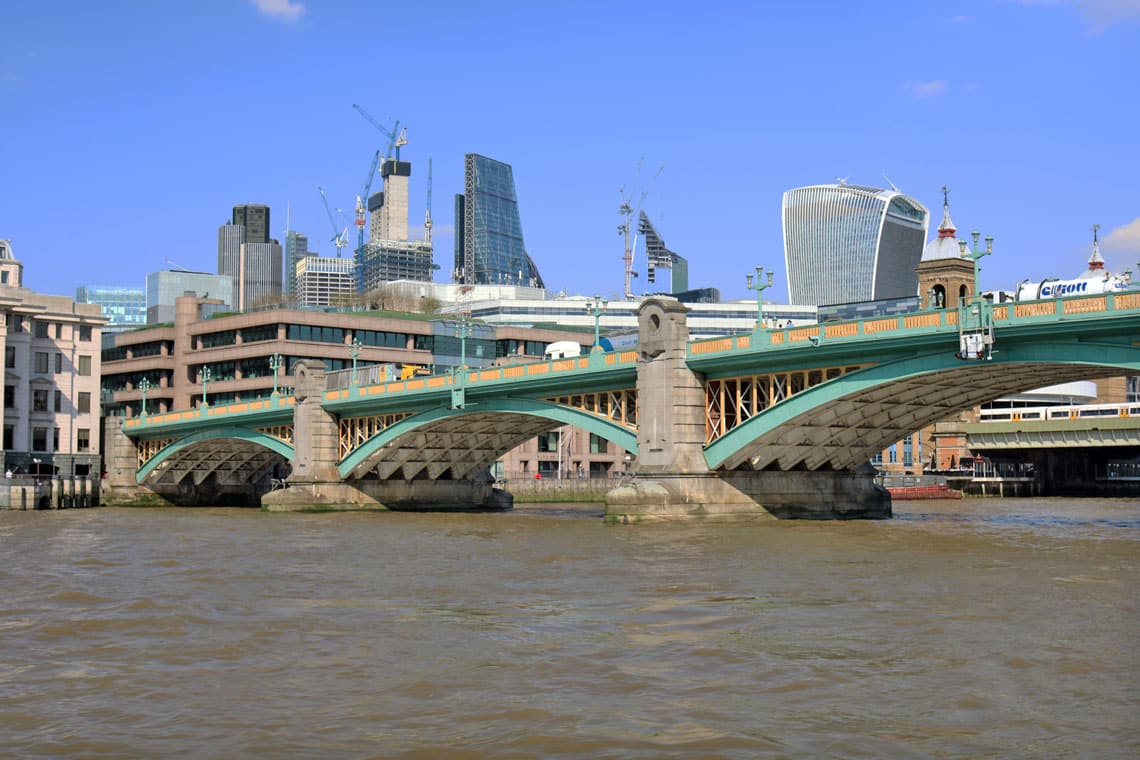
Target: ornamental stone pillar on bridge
[[671, 478]]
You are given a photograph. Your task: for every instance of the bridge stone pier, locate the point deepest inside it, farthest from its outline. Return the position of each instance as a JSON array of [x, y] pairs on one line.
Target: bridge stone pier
[[671, 479]]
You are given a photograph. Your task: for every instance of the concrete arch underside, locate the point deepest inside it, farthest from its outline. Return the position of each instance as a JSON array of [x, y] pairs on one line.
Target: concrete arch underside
[[229, 458], [842, 423], [458, 444]]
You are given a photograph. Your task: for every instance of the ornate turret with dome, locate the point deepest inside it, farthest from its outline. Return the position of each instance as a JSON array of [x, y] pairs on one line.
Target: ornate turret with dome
[[945, 246], [1096, 261], [945, 274]]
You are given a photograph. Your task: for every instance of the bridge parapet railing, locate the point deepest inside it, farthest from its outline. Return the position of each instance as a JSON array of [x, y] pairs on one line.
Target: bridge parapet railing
[[208, 412], [929, 320], [474, 377]]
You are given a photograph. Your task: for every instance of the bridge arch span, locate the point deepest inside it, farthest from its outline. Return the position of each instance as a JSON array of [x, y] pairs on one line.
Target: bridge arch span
[[236, 456], [843, 422], [458, 442]]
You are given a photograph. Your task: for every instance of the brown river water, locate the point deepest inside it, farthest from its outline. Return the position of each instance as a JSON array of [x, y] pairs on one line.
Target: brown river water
[[975, 628]]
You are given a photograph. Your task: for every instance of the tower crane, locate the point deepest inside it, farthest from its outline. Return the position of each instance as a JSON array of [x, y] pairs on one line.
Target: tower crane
[[396, 137], [427, 212], [361, 199], [627, 229], [339, 238]]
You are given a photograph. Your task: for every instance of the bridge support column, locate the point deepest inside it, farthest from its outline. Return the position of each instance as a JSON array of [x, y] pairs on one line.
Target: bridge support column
[[671, 476], [121, 461], [314, 482]]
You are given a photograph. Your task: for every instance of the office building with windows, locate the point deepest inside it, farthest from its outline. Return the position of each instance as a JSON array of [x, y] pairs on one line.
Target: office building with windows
[[255, 218], [259, 275], [52, 363], [489, 246], [124, 308], [231, 237], [165, 287], [323, 281], [848, 243]]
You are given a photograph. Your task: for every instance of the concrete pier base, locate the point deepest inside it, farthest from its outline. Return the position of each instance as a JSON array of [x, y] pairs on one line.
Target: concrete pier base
[[384, 495], [749, 495]]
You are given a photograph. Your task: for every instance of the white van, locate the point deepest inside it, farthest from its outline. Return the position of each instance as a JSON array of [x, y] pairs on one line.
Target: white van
[[562, 349]]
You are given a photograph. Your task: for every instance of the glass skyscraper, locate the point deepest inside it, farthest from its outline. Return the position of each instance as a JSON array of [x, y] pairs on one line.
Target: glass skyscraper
[[488, 231], [849, 243]]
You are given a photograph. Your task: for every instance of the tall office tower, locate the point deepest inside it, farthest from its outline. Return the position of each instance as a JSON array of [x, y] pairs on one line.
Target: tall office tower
[[124, 308], [389, 254], [390, 218], [255, 218], [260, 274], [231, 237], [296, 249], [848, 243], [488, 232]]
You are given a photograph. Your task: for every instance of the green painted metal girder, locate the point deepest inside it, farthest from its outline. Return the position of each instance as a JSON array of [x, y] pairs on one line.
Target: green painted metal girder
[[232, 433], [611, 431], [1015, 356], [597, 377], [1103, 327], [274, 414]]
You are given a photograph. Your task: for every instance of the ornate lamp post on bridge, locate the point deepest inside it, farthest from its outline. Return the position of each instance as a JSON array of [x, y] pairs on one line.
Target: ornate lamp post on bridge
[[463, 330], [356, 344], [759, 287], [144, 386], [275, 365], [976, 255], [206, 373], [596, 307], [975, 320]]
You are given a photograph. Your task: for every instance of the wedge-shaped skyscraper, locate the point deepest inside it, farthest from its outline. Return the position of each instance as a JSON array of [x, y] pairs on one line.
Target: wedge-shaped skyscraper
[[488, 236]]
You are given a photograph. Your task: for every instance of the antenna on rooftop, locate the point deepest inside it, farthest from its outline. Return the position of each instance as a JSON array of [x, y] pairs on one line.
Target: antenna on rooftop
[[892, 184]]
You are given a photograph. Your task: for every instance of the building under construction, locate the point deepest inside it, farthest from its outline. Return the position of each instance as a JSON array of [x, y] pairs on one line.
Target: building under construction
[[389, 254]]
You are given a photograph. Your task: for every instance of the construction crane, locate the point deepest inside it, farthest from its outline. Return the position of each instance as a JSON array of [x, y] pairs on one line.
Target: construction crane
[[427, 212], [361, 199], [339, 239], [627, 229], [396, 137]]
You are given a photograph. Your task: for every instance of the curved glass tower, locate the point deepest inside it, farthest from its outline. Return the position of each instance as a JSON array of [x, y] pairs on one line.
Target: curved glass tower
[[488, 237], [849, 243]]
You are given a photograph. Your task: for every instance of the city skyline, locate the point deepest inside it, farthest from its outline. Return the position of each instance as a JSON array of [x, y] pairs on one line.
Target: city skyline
[[1024, 109]]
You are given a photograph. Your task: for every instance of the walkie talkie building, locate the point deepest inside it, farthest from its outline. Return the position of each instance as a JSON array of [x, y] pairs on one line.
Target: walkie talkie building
[[848, 243]]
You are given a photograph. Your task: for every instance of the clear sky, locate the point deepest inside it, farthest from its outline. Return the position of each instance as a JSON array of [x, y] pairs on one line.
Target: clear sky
[[129, 129]]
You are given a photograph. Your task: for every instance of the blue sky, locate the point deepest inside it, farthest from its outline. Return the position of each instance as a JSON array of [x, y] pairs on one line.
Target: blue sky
[[129, 129]]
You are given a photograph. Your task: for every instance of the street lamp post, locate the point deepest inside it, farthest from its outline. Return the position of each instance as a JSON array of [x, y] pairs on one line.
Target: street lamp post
[[596, 307], [463, 330], [759, 287], [206, 374], [144, 386], [275, 365], [976, 255], [356, 344]]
